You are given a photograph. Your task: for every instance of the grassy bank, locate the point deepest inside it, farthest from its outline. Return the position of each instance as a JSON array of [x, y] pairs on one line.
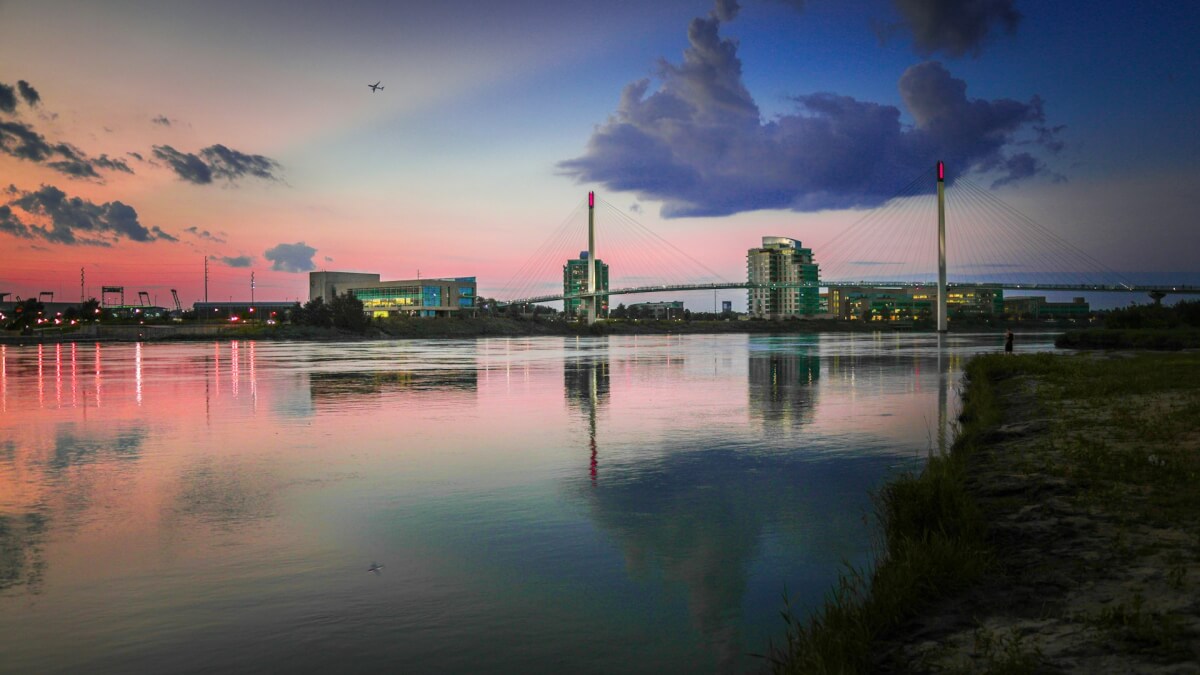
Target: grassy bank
[[1059, 531], [1159, 339]]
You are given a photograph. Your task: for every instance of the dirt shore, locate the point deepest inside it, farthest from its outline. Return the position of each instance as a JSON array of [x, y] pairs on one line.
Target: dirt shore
[[1091, 488]]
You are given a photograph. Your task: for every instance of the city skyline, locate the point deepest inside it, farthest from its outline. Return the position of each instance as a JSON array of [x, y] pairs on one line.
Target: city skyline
[[135, 140]]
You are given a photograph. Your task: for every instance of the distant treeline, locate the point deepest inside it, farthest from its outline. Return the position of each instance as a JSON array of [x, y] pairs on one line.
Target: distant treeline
[[1156, 327]]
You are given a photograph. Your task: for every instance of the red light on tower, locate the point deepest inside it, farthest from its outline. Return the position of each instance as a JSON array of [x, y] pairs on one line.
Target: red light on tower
[[941, 171], [591, 200]]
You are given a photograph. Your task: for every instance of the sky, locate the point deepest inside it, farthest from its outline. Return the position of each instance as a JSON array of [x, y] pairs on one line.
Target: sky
[[136, 138]]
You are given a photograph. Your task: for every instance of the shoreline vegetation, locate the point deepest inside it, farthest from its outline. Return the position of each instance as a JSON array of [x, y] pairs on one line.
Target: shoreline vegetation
[[1059, 533], [462, 328]]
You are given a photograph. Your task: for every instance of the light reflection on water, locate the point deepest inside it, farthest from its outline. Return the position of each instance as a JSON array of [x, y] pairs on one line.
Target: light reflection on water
[[542, 504]]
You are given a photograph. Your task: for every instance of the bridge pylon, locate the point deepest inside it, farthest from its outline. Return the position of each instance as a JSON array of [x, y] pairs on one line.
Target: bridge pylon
[[591, 265], [941, 199]]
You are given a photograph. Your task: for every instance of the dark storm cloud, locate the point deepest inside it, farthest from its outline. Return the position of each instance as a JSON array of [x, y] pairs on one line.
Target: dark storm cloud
[[31, 95], [8, 98], [161, 120], [216, 161], [291, 257], [76, 221], [237, 261], [698, 143], [204, 234], [956, 27]]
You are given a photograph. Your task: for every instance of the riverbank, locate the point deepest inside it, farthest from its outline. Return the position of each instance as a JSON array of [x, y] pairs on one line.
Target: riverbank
[[1059, 535], [456, 328]]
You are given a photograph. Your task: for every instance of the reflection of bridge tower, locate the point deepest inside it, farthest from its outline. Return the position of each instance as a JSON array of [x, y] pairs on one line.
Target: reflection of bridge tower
[[781, 385], [585, 386]]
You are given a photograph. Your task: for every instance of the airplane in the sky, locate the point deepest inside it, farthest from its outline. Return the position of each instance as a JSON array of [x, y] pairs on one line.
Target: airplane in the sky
[[375, 87]]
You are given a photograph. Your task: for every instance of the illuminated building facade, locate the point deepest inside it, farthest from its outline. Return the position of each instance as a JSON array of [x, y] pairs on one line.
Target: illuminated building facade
[[782, 260], [405, 297], [575, 280], [1037, 307], [906, 303]]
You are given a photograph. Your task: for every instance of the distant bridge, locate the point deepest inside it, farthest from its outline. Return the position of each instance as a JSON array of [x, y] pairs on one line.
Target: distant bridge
[[992, 242], [1092, 288]]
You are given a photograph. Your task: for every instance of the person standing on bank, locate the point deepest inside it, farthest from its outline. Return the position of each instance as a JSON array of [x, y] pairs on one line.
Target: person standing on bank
[[1008, 341]]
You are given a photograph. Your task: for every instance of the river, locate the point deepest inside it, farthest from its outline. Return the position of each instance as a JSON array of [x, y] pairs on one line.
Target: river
[[620, 504]]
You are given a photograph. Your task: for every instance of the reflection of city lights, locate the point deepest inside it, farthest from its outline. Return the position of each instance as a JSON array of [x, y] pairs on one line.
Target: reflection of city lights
[[74, 389], [97, 374], [58, 374], [253, 378], [137, 365], [41, 386], [3, 378], [233, 367]]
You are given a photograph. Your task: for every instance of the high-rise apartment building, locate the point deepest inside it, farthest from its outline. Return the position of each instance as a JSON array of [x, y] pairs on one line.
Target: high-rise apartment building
[[781, 260], [575, 280]]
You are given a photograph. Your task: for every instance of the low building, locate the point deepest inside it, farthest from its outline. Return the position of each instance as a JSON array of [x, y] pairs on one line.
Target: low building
[[657, 310], [243, 310], [403, 297], [906, 303], [1037, 307]]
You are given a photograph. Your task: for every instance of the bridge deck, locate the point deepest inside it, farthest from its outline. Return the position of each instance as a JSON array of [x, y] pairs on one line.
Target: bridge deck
[[1094, 288]]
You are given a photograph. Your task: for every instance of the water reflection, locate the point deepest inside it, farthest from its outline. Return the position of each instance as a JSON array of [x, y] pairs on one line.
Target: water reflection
[[782, 382], [586, 387], [339, 389]]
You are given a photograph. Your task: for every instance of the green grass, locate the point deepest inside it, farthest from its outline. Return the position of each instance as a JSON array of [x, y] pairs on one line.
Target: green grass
[[1122, 429], [933, 535]]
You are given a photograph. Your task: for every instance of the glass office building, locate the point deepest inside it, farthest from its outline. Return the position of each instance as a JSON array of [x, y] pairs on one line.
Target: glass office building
[[406, 297], [575, 280]]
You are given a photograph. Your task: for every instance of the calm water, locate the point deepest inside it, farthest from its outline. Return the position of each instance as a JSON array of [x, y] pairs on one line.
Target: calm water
[[538, 505]]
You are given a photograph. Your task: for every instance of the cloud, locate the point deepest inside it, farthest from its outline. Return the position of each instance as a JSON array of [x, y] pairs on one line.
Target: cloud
[[161, 120], [328, 259], [136, 155], [726, 10], [8, 98], [186, 165], [21, 141], [77, 221], [11, 224], [956, 27], [237, 261], [204, 234], [1023, 165], [216, 161], [699, 146], [31, 95], [291, 257], [158, 233]]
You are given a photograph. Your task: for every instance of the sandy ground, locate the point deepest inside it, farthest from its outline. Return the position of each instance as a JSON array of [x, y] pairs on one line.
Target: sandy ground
[[1092, 575]]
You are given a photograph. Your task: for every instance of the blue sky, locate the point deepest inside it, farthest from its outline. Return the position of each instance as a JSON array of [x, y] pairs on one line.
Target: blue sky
[[495, 122]]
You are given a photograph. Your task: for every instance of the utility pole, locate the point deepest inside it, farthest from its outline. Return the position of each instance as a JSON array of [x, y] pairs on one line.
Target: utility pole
[[941, 192], [81, 298], [251, 290], [205, 279]]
